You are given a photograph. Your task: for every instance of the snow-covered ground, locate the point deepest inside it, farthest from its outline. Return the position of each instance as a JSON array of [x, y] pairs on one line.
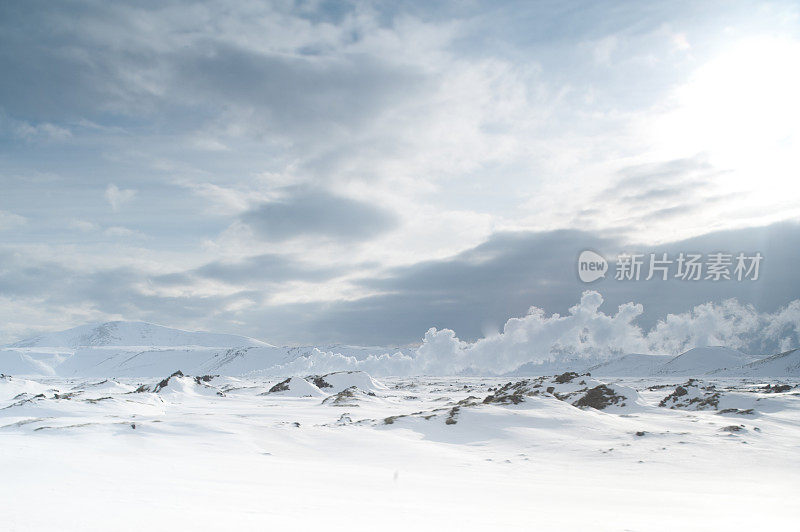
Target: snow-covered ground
[[132, 426], [351, 452]]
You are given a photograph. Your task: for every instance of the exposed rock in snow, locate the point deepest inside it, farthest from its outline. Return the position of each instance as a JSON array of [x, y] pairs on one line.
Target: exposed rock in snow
[[341, 380], [693, 395], [178, 383], [577, 390], [348, 397], [295, 387], [600, 397]]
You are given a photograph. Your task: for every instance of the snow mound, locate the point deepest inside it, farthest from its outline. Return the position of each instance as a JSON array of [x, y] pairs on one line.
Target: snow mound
[[702, 360], [180, 384], [698, 395], [349, 397], [102, 388], [339, 381], [693, 395], [11, 387], [578, 390], [134, 333], [295, 387]]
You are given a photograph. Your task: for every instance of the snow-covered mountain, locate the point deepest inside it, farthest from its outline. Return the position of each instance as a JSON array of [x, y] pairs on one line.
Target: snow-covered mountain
[[138, 349], [716, 361], [135, 333], [702, 360], [786, 364], [634, 365]]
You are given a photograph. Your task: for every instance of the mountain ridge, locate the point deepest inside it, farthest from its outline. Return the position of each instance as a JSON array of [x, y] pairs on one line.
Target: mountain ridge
[[134, 333]]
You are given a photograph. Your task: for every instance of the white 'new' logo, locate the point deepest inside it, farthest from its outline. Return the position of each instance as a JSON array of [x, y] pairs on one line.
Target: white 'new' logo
[[591, 266]]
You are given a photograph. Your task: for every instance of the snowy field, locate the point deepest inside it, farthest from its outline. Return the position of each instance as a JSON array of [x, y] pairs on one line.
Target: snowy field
[[350, 452]]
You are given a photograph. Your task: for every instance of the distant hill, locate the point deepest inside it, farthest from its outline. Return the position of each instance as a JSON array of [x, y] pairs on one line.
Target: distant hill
[[138, 349], [634, 365], [786, 364], [716, 361], [702, 360], [135, 333]]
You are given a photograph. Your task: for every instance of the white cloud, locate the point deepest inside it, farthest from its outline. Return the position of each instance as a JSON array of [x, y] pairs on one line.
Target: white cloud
[[122, 232], [681, 42], [584, 333], [116, 196], [45, 131], [83, 225], [9, 220], [604, 48], [28, 131]]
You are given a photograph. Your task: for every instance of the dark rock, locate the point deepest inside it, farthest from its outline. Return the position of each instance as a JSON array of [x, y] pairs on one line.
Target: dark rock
[[565, 377], [599, 398], [346, 397], [281, 386], [163, 384], [733, 428], [320, 382], [451, 416], [778, 388], [748, 412], [509, 393]]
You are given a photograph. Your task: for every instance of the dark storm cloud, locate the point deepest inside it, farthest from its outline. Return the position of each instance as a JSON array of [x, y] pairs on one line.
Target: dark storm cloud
[[475, 291], [318, 213], [267, 268], [500, 279], [293, 94], [112, 64]]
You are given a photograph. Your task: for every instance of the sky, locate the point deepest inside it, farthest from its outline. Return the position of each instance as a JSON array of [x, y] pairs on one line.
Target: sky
[[307, 172]]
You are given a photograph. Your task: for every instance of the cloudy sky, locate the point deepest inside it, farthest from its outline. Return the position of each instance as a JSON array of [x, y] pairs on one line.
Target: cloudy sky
[[360, 171]]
